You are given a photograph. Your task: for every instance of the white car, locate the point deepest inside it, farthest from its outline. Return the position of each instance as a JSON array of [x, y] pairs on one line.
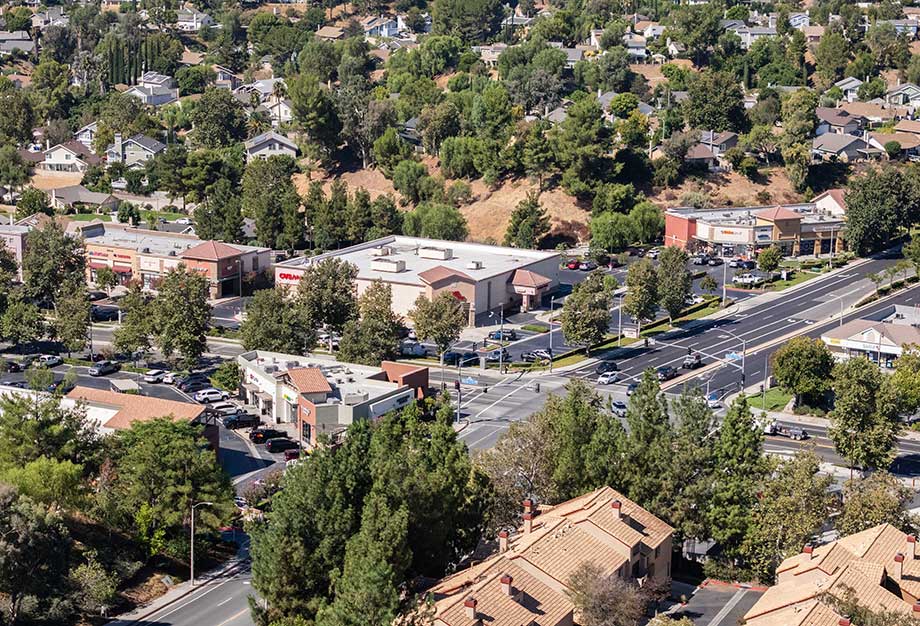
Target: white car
[[154, 376], [170, 378], [207, 396], [184, 221], [713, 400], [49, 360], [747, 279], [607, 378], [694, 299]]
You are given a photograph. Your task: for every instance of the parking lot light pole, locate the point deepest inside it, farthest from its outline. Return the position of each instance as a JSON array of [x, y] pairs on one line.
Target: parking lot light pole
[[501, 335], [724, 284], [192, 559], [552, 306]]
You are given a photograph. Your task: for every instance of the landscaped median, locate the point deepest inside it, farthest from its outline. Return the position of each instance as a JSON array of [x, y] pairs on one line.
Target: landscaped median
[[708, 306]]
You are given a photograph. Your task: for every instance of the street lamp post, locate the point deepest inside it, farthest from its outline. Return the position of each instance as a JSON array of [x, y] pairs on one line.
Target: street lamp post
[[620, 322], [724, 283], [501, 335], [552, 313], [192, 559], [840, 299], [743, 350]]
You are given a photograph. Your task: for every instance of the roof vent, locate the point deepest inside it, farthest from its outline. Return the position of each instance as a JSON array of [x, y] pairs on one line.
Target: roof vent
[[391, 266], [474, 265], [382, 251], [440, 254]]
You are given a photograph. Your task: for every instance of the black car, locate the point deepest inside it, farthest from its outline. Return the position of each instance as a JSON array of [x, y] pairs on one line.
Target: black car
[[666, 372], [606, 366], [281, 444], [503, 335], [702, 259], [104, 314], [452, 358], [748, 264], [631, 388], [60, 386], [12, 367], [19, 384], [468, 359], [241, 420], [193, 380], [261, 435], [713, 261]]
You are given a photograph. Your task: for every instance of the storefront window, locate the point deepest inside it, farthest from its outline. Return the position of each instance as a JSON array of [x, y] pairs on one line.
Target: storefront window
[[306, 431]]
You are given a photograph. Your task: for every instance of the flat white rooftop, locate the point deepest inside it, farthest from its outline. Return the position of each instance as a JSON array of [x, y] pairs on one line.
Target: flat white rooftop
[[401, 259]]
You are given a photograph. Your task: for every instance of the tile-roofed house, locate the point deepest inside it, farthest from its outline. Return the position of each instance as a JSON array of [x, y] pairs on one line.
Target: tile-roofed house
[[878, 566], [876, 112], [909, 142], [526, 580], [330, 33], [908, 126], [838, 121]]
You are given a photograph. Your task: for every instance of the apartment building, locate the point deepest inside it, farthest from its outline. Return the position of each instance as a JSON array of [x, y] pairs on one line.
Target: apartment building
[[878, 566], [526, 580]]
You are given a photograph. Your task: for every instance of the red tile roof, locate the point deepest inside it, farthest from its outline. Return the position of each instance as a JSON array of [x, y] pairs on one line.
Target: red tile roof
[[309, 380], [438, 273], [133, 408], [778, 213], [526, 278], [210, 251]]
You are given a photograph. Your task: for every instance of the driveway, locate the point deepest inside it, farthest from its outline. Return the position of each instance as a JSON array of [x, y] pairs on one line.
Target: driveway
[[718, 604]]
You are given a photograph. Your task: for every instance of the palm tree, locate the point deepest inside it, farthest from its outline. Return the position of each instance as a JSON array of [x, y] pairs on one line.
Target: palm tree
[[279, 91], [257, 124]]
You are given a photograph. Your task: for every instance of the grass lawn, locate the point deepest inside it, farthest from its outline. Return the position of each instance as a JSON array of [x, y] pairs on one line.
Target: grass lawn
[[776, 400], [797, 279], [89, 217]]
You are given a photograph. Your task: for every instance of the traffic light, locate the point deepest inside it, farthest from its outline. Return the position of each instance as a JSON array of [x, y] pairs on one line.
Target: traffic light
[[646, 342], [457, 385], [689, 351]]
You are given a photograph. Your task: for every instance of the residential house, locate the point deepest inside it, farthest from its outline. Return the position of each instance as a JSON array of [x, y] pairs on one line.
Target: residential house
[[134, 151], [797, 20], [190, 20], [154, 89], [877, 568], [652, 31], [225, 78], [489, 54], [72, 156], [155, 79], [517, 21], [279, 110], [635, 47], [875, 113], [595, 36], [813, 33], [73, 197], [269, 144], [850, 88], [834, 147], [909, 143], [750, 34], [380, 26], [908, 126], [906, 27], [701, 155], [403, 27], [410, 133], [676, 49], [905, 94], [13, 238], [264, 89], [53, 16], [837, 121], [526, 580], [330, 33], [719, 142], [572, 55], [16, 41], [87, 134]]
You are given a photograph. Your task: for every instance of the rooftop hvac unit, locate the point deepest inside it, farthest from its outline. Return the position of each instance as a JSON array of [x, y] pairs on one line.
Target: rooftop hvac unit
[[474, 265], [391, 266], [356, 397], [269, 369], [145, 250], [382, 251], [291, 364], [440, 254]]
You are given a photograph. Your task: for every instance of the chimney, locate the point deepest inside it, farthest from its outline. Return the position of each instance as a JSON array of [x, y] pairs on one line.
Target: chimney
[[118, 147], [528, 523], [506, 581], [843, 622], [470, 605], [917, 608], [528, 505], [502, 541], [898, 566], [912, 546], [617, 507]]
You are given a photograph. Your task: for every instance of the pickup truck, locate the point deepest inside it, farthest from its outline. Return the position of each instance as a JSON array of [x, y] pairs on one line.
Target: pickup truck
[[779, 430], [747, 280]]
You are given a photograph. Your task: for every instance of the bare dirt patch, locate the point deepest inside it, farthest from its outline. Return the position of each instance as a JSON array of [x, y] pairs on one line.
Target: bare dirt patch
[[55, 180], [731, 189]]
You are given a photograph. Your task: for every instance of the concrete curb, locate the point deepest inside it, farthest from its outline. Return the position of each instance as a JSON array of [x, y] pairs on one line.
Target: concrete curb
[[128, 619]]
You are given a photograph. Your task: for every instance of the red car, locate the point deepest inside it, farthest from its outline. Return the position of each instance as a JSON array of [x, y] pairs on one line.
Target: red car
[[573, 264]]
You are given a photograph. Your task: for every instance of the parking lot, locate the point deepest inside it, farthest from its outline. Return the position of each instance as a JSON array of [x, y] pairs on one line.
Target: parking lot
[[718, 604]]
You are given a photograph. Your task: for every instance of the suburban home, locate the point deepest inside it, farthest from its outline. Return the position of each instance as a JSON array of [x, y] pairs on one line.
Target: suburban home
[[750, 34], [489, 54], [154, 89], [837, 121], [702, 155], [403, 27], [676, 49], [76, 196], [905, 94], [53, 16], [262, 88], [72, 156], [909, 142], [874, 112], [908, 126], [850, 88], [797, 20], [280, 111], [652, 31], [719, 143], [410, 133], [15, 41], [526, 580], [190, 20], [834, 147], [330, 33], [832, 201], [813, 33], [155, 79], [225, 78], [380, 26], [87, 134], [133, 151], [906, 27], [877, 568], [269, 144], [635, 47]]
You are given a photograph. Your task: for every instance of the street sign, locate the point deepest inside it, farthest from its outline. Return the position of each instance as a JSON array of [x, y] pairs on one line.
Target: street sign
[[469, 381], [732, 356]]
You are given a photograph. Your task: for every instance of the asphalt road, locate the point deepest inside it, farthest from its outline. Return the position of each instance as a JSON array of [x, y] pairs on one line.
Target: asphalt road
[[166, 392]]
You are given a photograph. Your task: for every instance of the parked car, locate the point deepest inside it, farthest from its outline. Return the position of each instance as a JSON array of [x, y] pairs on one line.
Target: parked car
[[60, 386], [701, 259], [631, 388], [291, 455], [498, 355], [653, 253], [241, 420], [103, 314], [735, 262], [543, 354], [618, 408], [281, 444], [503, 335], [693, 299], [49, 360], [606, 366], [173, 378], [748, 264], [587, 266], [666, 372], [715, 260], [692, 361], [226, 409], [713, 400], [747, 280], [12, 367], [103, 368], [261, 435], [209, 395], [184, 221], [96, 295], [186, 383], [536, 355], [573, 264], [19, 384], [154, 376], [608, 378], [468, 359], [412, 348]]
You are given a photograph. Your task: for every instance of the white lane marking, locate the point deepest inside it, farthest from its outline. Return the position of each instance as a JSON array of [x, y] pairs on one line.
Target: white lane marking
[[495, 429], [225, 601], [194, 599], [510, 393]]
